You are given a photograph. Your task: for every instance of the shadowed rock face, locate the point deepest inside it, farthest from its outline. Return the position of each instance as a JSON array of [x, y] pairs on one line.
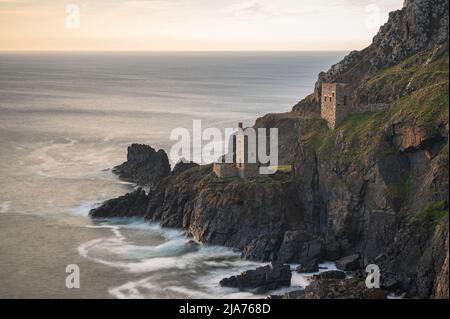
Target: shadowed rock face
[[252, 215], [288, 129], [270, 277], [382, 207], [440, 253], [182, 166], [349, 263], [340, 289], [128, 205], [144, 166]]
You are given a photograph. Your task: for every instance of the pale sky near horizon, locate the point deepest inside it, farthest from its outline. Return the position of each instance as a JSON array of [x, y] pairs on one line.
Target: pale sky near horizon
[[191, 25]]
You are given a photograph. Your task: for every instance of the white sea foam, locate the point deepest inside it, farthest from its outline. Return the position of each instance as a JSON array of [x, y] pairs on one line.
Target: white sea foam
[[172, 268], [69, 158], [83, 209], [125, 183], [140, 224], [150, 258], [162, 264], [396, 296]]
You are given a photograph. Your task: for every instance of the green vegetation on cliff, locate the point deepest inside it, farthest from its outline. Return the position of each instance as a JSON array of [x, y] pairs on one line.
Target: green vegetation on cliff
[[423, 102], [398, 191], [397, 81], [431, 215]]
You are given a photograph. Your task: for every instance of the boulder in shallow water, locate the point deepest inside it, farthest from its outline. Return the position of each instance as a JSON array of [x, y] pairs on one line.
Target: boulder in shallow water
[[309, 266], [349, 263], [270, 277]]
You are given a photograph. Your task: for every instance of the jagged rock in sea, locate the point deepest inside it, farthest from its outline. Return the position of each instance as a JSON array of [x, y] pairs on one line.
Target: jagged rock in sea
[[308, 267], [128, 205], [144, 166], [349, 263], [266, 278]]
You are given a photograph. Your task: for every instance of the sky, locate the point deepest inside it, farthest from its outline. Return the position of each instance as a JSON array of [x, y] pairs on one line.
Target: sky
[[191, 25]]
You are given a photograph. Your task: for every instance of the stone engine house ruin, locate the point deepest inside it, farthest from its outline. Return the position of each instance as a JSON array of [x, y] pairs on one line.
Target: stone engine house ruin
[[336, 104], [242, 165]]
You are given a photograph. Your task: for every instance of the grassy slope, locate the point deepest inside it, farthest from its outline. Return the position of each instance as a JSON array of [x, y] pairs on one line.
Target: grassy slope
[[426, 106]]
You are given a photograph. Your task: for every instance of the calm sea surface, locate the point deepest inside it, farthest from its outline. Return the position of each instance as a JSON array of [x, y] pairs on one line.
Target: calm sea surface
[[65, 119]]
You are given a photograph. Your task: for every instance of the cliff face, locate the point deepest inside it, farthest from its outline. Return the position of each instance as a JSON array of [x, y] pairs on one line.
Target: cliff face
[[251, 215], [260, 216], [288, 125], [378, 184]]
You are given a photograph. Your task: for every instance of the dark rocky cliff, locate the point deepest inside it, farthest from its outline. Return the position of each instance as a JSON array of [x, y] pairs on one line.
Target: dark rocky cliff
[[378, 184], [259, 216]]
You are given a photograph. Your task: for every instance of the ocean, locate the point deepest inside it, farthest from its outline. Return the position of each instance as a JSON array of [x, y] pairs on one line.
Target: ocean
[[66, 120]]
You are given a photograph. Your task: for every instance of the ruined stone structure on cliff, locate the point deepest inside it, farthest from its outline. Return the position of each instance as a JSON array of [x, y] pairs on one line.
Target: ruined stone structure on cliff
[[245, 162], [336, 104]]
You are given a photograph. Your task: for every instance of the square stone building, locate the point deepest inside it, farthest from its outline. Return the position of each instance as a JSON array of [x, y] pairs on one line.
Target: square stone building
[[241, 167], [336, 103]]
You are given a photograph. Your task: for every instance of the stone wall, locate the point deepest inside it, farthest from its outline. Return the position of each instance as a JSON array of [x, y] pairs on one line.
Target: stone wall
[[336, 104], [365, 108]]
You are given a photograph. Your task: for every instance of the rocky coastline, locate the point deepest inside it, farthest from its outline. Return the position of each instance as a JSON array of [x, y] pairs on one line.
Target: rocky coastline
[[372, 191]]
